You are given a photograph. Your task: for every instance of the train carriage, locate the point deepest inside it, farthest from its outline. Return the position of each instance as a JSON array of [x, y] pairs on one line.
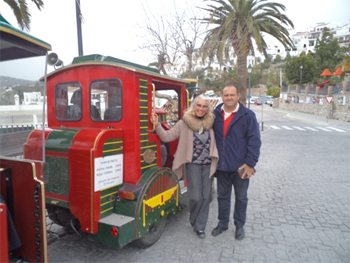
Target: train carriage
[[22, 194], [106, 173]]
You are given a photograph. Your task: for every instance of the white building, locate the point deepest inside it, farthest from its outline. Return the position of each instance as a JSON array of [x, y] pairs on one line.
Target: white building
[[305, 41]]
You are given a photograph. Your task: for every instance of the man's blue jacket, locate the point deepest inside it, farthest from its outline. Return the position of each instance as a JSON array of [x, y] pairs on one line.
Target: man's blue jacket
[[242, 142]]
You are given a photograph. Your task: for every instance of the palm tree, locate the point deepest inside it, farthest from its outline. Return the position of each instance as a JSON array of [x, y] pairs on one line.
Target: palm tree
[[20, 10], [239, 24]]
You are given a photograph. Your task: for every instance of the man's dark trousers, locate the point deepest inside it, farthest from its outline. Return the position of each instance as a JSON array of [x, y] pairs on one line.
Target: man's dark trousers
[[225, 180]]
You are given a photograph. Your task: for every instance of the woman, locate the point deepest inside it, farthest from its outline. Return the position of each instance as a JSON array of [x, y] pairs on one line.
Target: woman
[[197, 154]]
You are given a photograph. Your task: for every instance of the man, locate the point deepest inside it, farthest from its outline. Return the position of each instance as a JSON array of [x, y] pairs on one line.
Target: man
[[238, 143]]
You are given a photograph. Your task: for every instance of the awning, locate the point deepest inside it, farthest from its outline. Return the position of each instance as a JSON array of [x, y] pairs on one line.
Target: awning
[[338, 72], [15, 44], [326, 73]]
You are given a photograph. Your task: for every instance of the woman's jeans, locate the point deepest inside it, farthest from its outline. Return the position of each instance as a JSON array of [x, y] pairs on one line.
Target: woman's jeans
[[199, 190]]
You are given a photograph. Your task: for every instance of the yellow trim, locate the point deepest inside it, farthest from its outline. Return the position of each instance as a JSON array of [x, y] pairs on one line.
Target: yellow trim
[[106, 203], [148, 166], [143, 107], [109, 143], [25, 37], [144, 114], [112, 193], [188, 98], [112, 150], [144, 100], [159, 200], [148, 146], [43, 213], [104, 211]]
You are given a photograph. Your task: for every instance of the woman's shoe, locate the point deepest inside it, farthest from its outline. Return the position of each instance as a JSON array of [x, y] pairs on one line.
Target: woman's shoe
[[200, 234]]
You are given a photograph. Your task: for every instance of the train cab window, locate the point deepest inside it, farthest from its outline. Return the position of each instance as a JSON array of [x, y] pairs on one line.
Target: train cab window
[[68, 101], [106, 100]]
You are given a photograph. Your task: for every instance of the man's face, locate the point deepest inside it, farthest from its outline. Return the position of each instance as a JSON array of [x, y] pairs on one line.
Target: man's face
[[230, 97]]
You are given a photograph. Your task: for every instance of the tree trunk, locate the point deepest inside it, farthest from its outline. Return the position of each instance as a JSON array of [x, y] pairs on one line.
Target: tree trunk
[[242, 77]]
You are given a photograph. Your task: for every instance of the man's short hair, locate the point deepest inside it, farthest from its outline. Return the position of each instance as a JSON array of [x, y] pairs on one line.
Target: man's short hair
[[230, 85]]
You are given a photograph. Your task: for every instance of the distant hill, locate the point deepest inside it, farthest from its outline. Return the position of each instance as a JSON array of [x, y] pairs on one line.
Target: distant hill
[[9, 87], [6, 82]]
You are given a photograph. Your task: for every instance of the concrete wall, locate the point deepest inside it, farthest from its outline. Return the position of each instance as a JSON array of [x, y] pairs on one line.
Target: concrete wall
[[338, 108]]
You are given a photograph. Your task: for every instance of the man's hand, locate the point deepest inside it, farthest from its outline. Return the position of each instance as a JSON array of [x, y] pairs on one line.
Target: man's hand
[[245, 171]]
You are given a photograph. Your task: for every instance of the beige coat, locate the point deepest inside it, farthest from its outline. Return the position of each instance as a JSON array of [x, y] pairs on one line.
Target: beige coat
[[184, 133]]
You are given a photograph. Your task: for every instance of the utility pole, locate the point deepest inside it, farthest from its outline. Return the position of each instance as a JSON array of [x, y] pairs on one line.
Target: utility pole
[[78, 17], [301, 75]]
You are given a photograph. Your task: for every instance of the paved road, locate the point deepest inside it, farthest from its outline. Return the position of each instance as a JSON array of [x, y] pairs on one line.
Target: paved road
[[299, 208], [11, 144]]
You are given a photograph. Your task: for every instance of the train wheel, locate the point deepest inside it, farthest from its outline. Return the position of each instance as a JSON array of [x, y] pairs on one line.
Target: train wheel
[[154, 233]]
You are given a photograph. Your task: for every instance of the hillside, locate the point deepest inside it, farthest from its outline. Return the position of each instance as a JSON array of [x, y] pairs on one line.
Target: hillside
[[6, 82], [9, 87]]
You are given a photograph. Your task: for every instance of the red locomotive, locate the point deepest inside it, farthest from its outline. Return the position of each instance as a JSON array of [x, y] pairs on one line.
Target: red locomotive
[[103, 171]]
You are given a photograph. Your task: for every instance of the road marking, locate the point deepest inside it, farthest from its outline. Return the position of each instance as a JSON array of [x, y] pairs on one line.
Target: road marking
[[336, 129], [314, 129], [275, 127], [311, 129], [299, 128], [323, 129]]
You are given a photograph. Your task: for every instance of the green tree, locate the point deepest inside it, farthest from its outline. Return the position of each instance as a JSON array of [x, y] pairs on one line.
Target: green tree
[[273, 91], [239, 24], [328, 53], [300, 69], [21, 12]]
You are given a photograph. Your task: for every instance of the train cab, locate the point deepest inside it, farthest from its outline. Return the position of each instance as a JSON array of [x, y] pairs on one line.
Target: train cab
[[106, 171]]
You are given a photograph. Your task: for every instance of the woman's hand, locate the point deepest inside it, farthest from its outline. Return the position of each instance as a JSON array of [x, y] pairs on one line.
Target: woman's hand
[[155, 119]]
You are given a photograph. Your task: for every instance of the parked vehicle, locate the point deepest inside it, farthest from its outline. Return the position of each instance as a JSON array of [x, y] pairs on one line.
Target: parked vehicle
[[252, 99], [269, 100]]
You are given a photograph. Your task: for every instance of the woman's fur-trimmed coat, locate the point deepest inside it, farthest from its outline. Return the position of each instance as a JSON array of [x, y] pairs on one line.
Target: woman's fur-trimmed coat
[[183, 130]]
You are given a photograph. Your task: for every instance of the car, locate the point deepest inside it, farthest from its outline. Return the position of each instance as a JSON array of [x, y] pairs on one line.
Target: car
[[252, 99], [269, 100], [258, 101]]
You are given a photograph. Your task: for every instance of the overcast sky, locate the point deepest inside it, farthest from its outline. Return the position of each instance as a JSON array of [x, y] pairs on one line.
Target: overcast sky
[[117, 28]]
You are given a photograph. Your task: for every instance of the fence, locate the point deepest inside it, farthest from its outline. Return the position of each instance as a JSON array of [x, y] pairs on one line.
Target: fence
[[13, 128]]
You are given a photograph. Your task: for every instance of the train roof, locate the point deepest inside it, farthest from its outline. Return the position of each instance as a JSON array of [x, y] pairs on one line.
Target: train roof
[[17, 44], [97, 59]]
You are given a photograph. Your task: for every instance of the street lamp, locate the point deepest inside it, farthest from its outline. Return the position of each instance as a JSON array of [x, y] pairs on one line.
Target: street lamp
[[301, 75], [249, 72]]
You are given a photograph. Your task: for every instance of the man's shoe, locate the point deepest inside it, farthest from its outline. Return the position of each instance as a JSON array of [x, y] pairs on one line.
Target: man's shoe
[[218, 230], [240, 233], [200, 234]]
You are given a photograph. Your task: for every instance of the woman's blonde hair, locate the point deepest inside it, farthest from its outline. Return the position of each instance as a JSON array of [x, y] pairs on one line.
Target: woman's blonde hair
[[195, 101]]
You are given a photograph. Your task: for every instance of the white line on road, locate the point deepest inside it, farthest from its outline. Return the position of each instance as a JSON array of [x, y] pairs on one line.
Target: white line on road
[[323, 129], [311, 129], [299, 128], [275, 127], [287, 128], [336, 129]]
